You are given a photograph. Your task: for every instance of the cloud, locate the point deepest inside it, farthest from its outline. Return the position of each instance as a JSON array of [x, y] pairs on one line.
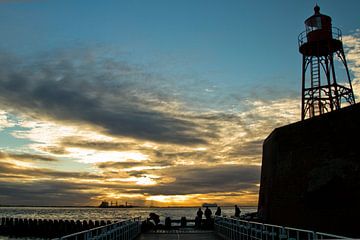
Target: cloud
[[125, 165], [91, 93], [51, 188], [206, 180], [44, 193], [81, 142], [250, 148], [132, 137], [228, 163], [26, 157], [5, 121], [122, 135], [352, 52], [56, 150], [175, 180], [32, 173]]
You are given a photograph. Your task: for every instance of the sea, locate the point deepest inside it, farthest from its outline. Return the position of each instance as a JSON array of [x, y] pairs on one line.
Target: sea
[[112, 214]]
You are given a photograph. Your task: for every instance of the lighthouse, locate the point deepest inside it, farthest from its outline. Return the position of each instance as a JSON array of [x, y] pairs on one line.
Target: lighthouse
[[324, 88]]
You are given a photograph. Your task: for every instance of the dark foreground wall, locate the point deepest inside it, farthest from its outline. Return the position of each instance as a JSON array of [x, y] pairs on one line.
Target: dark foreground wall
[[310, 175]]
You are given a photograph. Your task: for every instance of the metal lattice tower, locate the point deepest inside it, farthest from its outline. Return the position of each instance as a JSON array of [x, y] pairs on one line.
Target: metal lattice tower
[[319, 44]]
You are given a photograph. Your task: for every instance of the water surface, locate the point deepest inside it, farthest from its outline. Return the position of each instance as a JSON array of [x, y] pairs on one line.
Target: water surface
[[108, 213]]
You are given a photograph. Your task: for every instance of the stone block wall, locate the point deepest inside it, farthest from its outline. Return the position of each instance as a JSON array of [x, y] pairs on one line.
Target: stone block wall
[[310, 175]]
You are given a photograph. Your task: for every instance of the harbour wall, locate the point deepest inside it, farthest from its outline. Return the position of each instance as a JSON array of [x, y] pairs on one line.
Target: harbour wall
[[310, 175]]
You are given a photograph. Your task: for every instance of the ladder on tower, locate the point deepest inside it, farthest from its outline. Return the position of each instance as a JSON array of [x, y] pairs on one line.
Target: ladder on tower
[[315, 85], [315, 72]]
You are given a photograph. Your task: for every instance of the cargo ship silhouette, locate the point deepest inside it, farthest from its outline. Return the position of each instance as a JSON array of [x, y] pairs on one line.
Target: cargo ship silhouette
[[105, 204]]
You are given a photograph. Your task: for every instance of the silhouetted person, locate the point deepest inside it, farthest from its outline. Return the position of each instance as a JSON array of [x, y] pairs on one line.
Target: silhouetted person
[[151, 222], [155, 218], [198, 218], [199, 213], [208, 213], [237, 211], [218, 212]]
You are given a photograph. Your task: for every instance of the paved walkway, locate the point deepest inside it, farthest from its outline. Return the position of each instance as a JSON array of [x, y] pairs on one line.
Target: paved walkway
[[179, 235]]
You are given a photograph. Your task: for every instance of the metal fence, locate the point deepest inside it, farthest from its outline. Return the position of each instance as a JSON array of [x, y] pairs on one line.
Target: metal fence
[[236, 229], [334, 32], [124, 230]]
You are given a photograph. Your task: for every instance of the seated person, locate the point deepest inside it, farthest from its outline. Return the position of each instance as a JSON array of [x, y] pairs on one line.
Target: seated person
[[154, 217]]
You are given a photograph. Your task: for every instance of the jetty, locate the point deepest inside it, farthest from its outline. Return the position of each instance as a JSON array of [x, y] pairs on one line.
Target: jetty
[[180, 234]]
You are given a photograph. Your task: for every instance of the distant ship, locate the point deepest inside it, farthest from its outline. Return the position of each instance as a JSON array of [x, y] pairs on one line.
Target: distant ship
[[209, 205], [105, 204]]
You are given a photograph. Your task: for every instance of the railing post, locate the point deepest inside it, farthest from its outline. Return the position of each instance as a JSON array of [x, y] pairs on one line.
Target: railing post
[[245, 230]]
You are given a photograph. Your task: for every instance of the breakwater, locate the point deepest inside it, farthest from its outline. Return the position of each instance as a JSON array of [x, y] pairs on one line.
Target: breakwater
[[46, 228], [310, 174]]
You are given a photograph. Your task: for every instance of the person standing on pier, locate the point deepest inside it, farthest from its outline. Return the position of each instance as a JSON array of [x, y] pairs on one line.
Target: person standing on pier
[[208, 221], [199, 213], [198, 218], [237, 211], [208, 213], [218, 212]]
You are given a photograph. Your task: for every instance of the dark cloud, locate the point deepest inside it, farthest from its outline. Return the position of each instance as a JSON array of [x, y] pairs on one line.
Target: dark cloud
[[169, 157], [44, 193], [137, 173], [33, 189], [26, 157], [98, 145], [54, 150], [193, 180], [11, 169], [130, 164], [119, 165], [30, 186], [118, 98], [55, 193]]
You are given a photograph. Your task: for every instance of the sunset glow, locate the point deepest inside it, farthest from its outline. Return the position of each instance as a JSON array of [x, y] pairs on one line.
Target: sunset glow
[[155, 104]]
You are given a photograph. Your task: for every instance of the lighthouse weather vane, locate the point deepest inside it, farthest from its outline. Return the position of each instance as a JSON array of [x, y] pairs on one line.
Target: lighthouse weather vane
[[323, 89]]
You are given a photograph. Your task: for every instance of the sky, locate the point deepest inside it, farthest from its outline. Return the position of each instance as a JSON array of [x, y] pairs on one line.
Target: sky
[[162, 103]]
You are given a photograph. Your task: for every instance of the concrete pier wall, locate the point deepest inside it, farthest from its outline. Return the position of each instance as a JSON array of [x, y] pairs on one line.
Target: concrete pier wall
[[310, 175]]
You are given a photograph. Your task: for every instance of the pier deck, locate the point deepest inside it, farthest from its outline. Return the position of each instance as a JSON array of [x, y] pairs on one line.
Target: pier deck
[[179, 234]]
